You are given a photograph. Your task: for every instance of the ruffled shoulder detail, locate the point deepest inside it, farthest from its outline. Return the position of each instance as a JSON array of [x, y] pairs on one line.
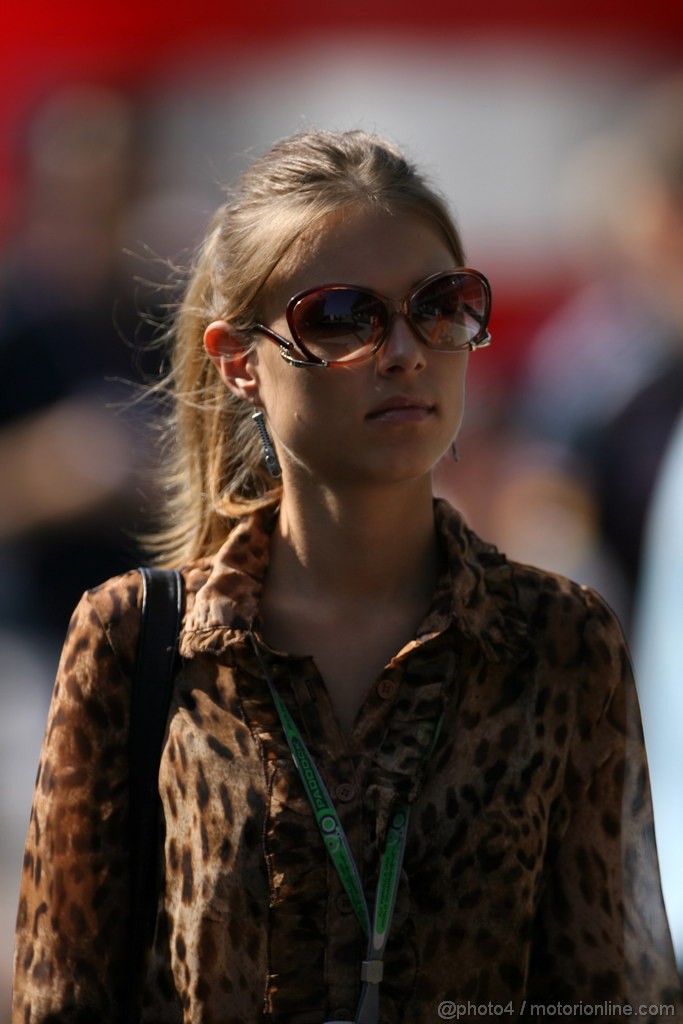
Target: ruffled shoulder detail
[[229, 598]]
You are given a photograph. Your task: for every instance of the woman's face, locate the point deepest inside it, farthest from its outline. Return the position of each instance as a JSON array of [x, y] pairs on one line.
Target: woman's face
[[389, 418]]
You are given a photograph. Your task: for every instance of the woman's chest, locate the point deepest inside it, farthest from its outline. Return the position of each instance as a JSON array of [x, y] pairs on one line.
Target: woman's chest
[[466, 749], [242, 843]]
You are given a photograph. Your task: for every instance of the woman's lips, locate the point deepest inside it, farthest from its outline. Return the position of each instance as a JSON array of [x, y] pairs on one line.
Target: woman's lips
[[402, 409]]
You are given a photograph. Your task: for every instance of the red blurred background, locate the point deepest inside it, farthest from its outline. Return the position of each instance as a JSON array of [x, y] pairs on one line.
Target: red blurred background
[[131, 46]]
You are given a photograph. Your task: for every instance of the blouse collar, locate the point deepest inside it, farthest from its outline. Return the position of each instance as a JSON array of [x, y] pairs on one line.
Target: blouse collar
[[475, 591]]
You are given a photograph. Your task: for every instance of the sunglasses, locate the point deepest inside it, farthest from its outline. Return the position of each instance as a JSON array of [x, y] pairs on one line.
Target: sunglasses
[[338, 324]]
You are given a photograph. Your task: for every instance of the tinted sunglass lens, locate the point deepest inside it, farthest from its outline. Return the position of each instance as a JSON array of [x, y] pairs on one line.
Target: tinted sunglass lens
[[450, 312], [338, 324]]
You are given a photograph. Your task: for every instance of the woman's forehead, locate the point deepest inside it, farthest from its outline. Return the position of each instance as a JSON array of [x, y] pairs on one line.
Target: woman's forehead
[[379, 249]]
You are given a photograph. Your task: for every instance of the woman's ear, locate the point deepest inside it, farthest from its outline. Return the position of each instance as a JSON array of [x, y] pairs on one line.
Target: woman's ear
[[226, 348]]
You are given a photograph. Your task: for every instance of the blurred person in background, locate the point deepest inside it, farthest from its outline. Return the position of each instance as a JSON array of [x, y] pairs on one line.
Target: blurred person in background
[[605, 386], [658, 651], [348, 646], [67, 323], [70, 457], [626, 452], [605, 375]]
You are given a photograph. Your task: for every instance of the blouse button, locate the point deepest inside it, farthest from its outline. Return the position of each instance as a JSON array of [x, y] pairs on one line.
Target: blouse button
[[343, 903], [425, 735], [341, 1013], [345, 792], [386, 688]]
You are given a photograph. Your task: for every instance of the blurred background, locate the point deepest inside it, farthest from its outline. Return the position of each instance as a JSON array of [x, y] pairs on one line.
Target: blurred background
[[556, 132]]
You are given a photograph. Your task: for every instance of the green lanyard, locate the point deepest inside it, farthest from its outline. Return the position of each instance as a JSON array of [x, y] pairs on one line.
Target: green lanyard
[[337, 845]]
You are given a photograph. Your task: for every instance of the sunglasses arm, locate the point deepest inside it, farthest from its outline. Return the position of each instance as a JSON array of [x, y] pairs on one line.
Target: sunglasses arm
[[287, 348], [483, 342]]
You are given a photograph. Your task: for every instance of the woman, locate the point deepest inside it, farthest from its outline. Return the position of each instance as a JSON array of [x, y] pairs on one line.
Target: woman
[[344, 622]]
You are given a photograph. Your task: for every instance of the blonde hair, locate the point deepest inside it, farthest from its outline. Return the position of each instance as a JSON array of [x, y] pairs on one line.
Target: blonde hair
[[214, 470]]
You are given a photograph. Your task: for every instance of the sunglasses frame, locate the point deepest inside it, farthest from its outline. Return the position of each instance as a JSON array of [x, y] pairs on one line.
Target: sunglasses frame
[[288, 348]]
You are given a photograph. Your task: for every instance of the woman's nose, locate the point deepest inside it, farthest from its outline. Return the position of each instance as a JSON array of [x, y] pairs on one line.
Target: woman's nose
[[401, 349]]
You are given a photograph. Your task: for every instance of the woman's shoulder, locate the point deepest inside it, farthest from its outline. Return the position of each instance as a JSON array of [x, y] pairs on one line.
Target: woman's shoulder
[[566, 630], [547, 599], [110, 612], [569, 621], [106, 622], [536, 592], [577, 641], [543, 589], [565, 620]]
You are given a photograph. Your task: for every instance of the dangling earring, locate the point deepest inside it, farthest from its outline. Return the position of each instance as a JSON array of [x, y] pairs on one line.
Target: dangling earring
[[269, 453], [454, 452]]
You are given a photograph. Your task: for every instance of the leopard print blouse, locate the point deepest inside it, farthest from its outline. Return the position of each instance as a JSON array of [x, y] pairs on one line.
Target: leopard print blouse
[[530, 873]]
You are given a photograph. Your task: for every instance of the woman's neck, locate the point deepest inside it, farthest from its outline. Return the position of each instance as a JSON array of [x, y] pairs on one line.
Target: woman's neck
[[355, 548]]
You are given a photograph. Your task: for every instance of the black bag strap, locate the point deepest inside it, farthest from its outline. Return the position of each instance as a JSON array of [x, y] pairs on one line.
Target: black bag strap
[[150, 698]]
